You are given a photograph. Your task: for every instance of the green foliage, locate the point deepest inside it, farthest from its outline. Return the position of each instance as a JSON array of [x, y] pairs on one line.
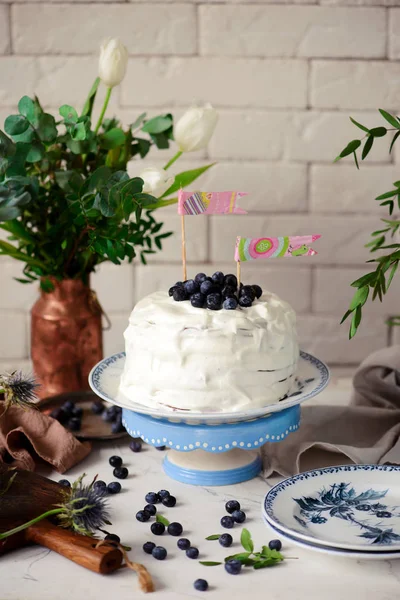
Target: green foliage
[[386, 265]]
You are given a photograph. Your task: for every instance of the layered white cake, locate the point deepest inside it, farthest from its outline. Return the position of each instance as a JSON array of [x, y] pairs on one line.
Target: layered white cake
[[201, 360]]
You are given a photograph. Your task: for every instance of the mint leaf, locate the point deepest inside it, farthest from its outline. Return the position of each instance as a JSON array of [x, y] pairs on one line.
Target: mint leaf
[[215, 536], [209, 563], [241, 556], [161, 519], [246, 541], [268, 562]]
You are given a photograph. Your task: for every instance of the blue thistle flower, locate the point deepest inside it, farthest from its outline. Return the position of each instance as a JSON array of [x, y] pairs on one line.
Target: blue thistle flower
[[18, 389], [85, 509]]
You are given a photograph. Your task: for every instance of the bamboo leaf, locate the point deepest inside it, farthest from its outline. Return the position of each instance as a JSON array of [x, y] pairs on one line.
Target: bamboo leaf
[[186, 178], [216, 536], [359, 298], [390, 118], [209, 563], [396, 135], [359, 125], [391, 275], [350, 148], [378, 131], [367, 147]]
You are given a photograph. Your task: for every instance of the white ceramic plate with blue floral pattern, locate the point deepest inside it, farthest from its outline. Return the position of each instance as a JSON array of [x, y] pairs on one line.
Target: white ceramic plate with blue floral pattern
[[311, 378], [356, 554], [351, 507]]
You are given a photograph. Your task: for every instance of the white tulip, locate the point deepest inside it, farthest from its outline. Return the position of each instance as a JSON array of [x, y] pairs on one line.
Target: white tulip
[[112, 62], [156, 181], [193, 131]]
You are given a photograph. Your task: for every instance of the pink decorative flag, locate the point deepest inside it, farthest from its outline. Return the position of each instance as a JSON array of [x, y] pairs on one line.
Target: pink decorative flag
[[277, 247], [209, 203]]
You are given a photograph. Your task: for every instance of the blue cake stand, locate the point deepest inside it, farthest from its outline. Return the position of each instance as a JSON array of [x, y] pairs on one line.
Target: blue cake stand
[[214, 448]]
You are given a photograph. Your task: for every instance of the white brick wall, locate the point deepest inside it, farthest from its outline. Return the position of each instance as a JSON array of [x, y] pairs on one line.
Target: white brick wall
[[285, 75]]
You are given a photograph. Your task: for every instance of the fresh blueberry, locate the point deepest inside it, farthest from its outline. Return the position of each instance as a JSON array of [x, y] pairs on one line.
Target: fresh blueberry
[[228, 291], [200, 277], [175, 529], [180, 294], [233, 566], [225, 540], [192, 552], [157, 528], [68, 406], [231, 506], [164, 494], [97, 407], [191, 287], [135, 445], [218, 278], [120, 472], [275, 545], [183, 544], [245, 301], [108, 415], [227, 522], [77, 411], [152, 498], [112, 537], [114, 487], [160, 448], [64, 483], [230, 304], [213, 301], [200, 585], [74, 424], [143, 516], [159, 553], [239, 516], [100, 487], [171, 290], [59, 415], [179, 284], [248, 290], [207, 287], [197, 300], [151, 509], [115, 461], [231, 280], [117, 426], [148, 547], [170, 501], [257, 290]]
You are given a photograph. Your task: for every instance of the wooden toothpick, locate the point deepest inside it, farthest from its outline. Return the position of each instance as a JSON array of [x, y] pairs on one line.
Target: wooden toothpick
[[183, 248], [238, 272]]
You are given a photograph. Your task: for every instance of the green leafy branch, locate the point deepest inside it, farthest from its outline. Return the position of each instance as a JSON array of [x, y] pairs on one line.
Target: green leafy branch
[[375, 284]]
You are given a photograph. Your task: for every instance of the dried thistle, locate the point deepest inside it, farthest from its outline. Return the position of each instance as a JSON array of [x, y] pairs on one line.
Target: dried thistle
[[18, 389]]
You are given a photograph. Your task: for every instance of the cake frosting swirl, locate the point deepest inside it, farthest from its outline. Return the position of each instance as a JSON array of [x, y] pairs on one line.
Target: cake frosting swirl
[[199, 360]]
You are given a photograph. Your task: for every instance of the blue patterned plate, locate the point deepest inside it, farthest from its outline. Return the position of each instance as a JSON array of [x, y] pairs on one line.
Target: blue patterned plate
[[357, 554], [312, 377], [352, 507]]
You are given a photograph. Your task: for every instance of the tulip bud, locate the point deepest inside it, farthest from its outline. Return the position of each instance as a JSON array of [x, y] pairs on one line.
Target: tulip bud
[[112, 62], [156, 181], [193, 131]]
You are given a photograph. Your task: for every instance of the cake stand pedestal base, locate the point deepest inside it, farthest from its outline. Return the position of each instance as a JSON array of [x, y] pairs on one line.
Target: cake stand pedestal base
[[220, 454]]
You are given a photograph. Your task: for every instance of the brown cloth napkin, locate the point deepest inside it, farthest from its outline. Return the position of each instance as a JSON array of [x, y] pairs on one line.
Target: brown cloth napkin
[[365, 432], [26, 436]]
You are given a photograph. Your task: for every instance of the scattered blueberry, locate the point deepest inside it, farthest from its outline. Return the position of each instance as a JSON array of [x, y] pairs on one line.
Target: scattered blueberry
[[169, 501], [159, 553], [157, 528], [67, 406], [213, 301], [143, 516], [108, 415], [113, 537], [245, 301], [231, 506], [179, 294], [239, 516], [197, 300], [148, 547], [207, 287], [64, 483], [100, 486], [160, 448], [120, 472], [183, 544], [115, 461], [248, 290], [227, 522], [114, 487], [97, 407], [200, 585], [117, 426], [175, 529], [257, 290], [135, 445], [77, 411], [192, 552], [225, 540], [59, 414], [233, 566], [275, 545], [164, 494], [230, 304], [231, 280], [151, 509], [191, 287], [218, 278], [74, 424], [200, 277], [152, 498]]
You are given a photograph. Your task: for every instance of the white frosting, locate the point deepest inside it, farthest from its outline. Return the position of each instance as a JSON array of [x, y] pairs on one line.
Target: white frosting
[[196, 359]]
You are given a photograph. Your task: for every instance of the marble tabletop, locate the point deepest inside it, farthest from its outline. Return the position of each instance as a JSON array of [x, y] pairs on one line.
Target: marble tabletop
[[35, 573]]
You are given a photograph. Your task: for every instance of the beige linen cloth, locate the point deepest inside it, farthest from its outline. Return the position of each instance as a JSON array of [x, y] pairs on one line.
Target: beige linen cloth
[[365, 432]]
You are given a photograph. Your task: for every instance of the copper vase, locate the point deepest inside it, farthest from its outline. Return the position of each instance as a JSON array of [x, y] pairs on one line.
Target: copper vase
[[66, 337]]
